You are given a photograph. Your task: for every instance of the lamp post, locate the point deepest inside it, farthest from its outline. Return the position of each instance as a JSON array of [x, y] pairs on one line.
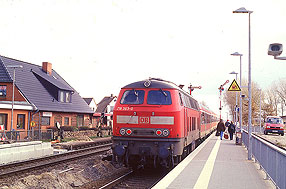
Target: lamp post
[[243, 10], [235, 98], [240, 99], [260, 129], [12, 109]]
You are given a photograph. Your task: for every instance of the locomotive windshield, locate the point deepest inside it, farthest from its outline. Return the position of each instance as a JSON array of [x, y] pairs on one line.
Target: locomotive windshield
[[133, 97], [159, 97]]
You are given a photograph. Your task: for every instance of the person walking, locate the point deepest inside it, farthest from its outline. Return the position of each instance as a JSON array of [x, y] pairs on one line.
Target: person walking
[[220, 128], [231, 130], [227, 123]]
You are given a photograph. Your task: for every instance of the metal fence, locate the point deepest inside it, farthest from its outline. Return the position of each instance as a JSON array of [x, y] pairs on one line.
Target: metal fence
[[28, 135], [271, 158], [255, 129]]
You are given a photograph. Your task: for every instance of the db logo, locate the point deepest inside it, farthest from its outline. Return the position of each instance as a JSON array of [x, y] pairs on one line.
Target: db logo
[[144, 120]]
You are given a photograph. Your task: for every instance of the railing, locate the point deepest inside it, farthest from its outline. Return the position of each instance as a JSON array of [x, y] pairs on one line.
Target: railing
[[28, 135], [271, 158], [255, 129]]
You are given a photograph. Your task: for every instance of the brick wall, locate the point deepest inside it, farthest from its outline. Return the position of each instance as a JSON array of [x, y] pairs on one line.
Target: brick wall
[[59, 117], [9, 93]]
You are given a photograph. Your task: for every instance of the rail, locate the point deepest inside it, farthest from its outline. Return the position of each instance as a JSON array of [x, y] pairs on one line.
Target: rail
[[271, 158]]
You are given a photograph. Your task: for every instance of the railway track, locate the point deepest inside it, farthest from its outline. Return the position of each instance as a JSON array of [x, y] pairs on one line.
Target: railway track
[[16, 168], [138, 179]]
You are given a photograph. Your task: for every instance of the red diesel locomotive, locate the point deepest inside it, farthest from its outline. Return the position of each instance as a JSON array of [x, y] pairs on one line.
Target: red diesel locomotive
[[156, 122]]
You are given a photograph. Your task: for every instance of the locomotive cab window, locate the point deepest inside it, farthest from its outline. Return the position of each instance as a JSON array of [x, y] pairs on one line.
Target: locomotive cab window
[[159, 97], [133, 97]]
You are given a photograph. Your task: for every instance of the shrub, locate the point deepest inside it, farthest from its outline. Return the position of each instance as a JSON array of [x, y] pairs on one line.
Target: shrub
[[83, 128], [67, 128]]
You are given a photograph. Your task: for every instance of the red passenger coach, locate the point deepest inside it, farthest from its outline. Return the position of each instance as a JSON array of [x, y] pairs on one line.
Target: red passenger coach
[[156, 122]]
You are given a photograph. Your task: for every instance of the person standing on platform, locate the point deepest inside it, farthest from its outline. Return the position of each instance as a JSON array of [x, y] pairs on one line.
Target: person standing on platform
[[220, 128], [231, 130]]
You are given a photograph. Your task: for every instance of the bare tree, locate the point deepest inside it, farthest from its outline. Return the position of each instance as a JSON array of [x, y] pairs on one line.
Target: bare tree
[[229, 99], [281, 91], [272, 99]]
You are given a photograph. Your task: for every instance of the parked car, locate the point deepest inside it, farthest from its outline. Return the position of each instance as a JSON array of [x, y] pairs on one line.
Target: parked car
[[274, 124]]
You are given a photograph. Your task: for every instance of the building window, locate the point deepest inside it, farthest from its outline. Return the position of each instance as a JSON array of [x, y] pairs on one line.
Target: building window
[[3, 120], [3, 90], [66, 121], [46, 120], [65, 96], [21, 121], [68, 97], [80, 120], [61, 96]]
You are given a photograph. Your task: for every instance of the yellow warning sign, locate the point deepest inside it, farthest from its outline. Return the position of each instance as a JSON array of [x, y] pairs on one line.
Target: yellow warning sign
[[234, 86], [33, 124]]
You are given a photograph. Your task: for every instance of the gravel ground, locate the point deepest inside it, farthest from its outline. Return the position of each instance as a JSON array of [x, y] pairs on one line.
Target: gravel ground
[[88, 173], [275, 138]]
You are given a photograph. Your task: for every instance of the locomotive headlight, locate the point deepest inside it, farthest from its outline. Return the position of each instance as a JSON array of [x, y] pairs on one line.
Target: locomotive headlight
[[166, 132], [128, 131], [158, 132], [122, 131]]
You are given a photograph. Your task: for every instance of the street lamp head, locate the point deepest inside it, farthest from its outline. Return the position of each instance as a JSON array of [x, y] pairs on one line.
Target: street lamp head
[[236, 54], [233, 72], [242, 10]]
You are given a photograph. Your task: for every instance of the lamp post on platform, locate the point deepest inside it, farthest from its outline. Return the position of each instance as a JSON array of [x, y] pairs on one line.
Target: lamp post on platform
[[243, 10], [13, 93], [240, 99], [260, 94]]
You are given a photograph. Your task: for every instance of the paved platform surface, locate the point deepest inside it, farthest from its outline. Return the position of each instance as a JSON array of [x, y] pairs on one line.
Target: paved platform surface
[[216, 164]]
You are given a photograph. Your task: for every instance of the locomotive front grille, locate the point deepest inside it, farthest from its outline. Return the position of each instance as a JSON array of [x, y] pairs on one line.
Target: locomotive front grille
[[143, 132]]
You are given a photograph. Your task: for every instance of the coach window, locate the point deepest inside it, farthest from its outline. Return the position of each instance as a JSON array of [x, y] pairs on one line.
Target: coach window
[[196, 104], [133, 97], [159, 97], [187, 101], [181, 100], [192, 103], [203, 117]]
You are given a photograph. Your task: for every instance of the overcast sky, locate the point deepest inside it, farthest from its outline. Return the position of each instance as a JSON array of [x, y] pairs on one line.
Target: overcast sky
[[99, 46]]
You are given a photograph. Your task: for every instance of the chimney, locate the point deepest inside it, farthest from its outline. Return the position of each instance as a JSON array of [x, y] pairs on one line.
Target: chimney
[[47, 67]]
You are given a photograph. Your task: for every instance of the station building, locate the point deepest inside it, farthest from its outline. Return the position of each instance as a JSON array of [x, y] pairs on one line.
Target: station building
[[41, 96]]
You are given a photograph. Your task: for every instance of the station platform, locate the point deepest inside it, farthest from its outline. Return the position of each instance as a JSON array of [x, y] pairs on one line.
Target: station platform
[[216, 164], [24, 150]]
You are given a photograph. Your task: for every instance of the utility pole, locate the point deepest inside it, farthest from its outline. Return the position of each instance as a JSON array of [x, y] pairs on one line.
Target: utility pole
[[220, 90]]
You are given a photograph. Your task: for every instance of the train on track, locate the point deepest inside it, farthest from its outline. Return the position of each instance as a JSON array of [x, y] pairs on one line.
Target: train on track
[[155, 122]]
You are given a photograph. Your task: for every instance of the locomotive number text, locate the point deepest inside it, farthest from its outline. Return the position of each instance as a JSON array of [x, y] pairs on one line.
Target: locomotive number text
[[144, 120], [124, 108]]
